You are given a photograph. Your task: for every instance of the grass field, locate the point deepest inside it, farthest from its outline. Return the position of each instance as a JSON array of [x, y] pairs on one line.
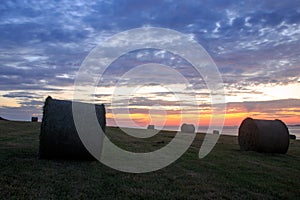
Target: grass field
[[226, 173]]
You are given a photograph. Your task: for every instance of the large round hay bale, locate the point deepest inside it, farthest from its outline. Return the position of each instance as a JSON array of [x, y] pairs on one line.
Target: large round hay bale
[[58, 136], [269, 136], [187, 128]]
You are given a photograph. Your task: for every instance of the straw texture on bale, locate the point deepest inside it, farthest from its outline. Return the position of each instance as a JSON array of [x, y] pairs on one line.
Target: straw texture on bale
[[268, 136], [188, 128], [58, 136]]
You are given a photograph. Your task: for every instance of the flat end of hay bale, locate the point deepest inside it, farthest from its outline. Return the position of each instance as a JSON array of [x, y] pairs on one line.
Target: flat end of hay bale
[[248, 135], [58, 136]]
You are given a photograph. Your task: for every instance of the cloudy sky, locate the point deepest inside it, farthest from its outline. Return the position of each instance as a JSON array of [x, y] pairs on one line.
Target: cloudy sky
[[255, 45]]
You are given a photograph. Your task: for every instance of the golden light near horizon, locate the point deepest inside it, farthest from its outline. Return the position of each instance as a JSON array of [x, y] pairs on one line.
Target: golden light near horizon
[[264, 92], [234, 115], [288, 91], [147, 104], [8, 102]]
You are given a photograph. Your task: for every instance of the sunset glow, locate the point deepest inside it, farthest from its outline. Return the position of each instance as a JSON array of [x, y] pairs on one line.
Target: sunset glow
[[255, 46]]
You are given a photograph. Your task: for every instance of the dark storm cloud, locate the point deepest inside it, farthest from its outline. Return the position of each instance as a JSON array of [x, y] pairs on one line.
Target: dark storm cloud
[[21, 95]]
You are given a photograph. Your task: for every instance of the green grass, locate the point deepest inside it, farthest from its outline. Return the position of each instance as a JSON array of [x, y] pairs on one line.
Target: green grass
[[226, 173]]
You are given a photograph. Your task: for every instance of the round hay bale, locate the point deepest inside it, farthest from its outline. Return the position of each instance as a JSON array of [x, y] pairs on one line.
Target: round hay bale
[[58, 136], [1, 118], [293, 137], [34, 119], [150, 127], [188, 128], [269, 136]]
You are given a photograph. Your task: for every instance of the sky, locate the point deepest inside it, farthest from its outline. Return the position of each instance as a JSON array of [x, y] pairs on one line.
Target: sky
[[255, 45]]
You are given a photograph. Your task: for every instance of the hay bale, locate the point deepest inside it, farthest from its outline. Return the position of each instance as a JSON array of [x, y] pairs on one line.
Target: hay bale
[[293, 137], [34, 119], [150, 127], [188, 128], [58, 136], [216, 132], [2, 119], [269, 136]]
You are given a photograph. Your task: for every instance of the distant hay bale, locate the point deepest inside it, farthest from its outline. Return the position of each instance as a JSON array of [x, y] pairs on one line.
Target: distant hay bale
[[58, 136], [34, 119], [269, 136], [1, 118], [188, 128], [293, 137], [216, 132], [151, 127]]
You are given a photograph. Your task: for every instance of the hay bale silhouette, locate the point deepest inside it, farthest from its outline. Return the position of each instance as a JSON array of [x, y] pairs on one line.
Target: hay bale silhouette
[[58, 136], [1, 118], [216, 132], [188, 128], [293, 137], [34, 119], [269, 136], [150, 126]]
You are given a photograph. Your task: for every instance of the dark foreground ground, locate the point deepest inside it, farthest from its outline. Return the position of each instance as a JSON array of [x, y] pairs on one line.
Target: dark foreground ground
[[226, 173]]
